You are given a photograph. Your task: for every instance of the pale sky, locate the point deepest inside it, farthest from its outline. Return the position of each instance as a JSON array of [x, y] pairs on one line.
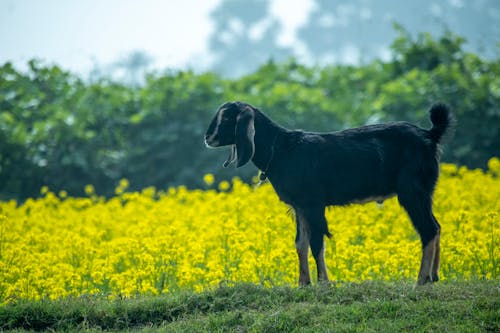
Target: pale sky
[[77, 34]]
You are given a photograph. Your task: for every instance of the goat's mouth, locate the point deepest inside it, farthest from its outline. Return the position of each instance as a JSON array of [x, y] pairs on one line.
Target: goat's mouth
[[211, 143], [207, 145]]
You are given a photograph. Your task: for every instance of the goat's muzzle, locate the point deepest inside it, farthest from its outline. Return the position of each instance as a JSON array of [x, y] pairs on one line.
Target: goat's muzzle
[[210, 143]]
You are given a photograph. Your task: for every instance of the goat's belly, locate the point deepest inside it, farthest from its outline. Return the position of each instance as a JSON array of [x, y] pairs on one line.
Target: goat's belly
[[347, 200], [378, 199]]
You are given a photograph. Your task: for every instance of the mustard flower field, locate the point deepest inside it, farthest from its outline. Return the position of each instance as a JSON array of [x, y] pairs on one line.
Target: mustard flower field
[[152, 242]]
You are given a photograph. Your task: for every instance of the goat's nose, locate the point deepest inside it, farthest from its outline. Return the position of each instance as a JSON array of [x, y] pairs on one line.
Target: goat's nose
[[206, 141]]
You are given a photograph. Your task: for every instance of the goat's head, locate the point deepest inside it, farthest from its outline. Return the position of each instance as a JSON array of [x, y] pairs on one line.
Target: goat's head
[[233, 125]]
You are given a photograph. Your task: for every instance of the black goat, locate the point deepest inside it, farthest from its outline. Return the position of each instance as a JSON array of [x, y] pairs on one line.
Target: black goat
[[310, 171]]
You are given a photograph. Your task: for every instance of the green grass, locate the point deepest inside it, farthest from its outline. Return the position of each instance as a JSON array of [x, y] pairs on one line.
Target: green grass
[[472, 306]]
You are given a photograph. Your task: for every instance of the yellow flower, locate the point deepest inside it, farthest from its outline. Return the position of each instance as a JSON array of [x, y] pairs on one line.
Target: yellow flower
[[89, 190], [79, 246], [224, 185], [124, 183], [44, 190], [209, 179], [494, 166]]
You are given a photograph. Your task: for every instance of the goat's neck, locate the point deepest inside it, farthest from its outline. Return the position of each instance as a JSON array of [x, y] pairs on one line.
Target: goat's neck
[[266, 134]]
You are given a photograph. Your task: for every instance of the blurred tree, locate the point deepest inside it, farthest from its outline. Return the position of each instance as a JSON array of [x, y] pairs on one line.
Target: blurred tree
[[349, 31], [132, 68], [245, 37], [346, 31], [164, 139], [60, 131], [425, 69]]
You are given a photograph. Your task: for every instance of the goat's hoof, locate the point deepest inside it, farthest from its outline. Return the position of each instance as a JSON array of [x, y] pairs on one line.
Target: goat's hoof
[[304, 283], [326, 283], [427, 279]]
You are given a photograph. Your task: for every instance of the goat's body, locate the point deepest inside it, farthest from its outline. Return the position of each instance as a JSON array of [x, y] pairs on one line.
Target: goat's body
[[350, 166], [311, 171]]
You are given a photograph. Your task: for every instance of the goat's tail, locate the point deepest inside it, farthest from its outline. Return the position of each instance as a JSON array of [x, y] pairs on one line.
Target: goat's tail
[[442, 120]]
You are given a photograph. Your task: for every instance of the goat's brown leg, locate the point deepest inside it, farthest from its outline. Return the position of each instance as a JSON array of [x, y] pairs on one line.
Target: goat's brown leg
[[314, 217], [437, 254], [431, 253], [302, 246], [418, 205], [428, 260], [320, 263]]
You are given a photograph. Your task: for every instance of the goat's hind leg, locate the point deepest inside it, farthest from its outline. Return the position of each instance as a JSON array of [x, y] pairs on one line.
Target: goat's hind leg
[[427, 272], [302, 246], [419, 208], [437, 253]]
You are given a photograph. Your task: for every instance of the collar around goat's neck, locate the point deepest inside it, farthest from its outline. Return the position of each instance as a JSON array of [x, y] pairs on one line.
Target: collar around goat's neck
[[263, 173], [266, 140]]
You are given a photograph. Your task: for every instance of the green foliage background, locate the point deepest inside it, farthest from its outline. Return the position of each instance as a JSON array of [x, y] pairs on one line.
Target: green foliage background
[[60, 131]]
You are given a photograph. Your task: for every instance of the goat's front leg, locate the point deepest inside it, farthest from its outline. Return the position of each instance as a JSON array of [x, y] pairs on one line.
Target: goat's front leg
[[318, 251], [302, 246], [314, 218]]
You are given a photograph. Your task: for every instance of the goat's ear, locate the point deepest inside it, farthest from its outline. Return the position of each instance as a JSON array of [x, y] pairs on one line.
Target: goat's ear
[[245, 132]]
